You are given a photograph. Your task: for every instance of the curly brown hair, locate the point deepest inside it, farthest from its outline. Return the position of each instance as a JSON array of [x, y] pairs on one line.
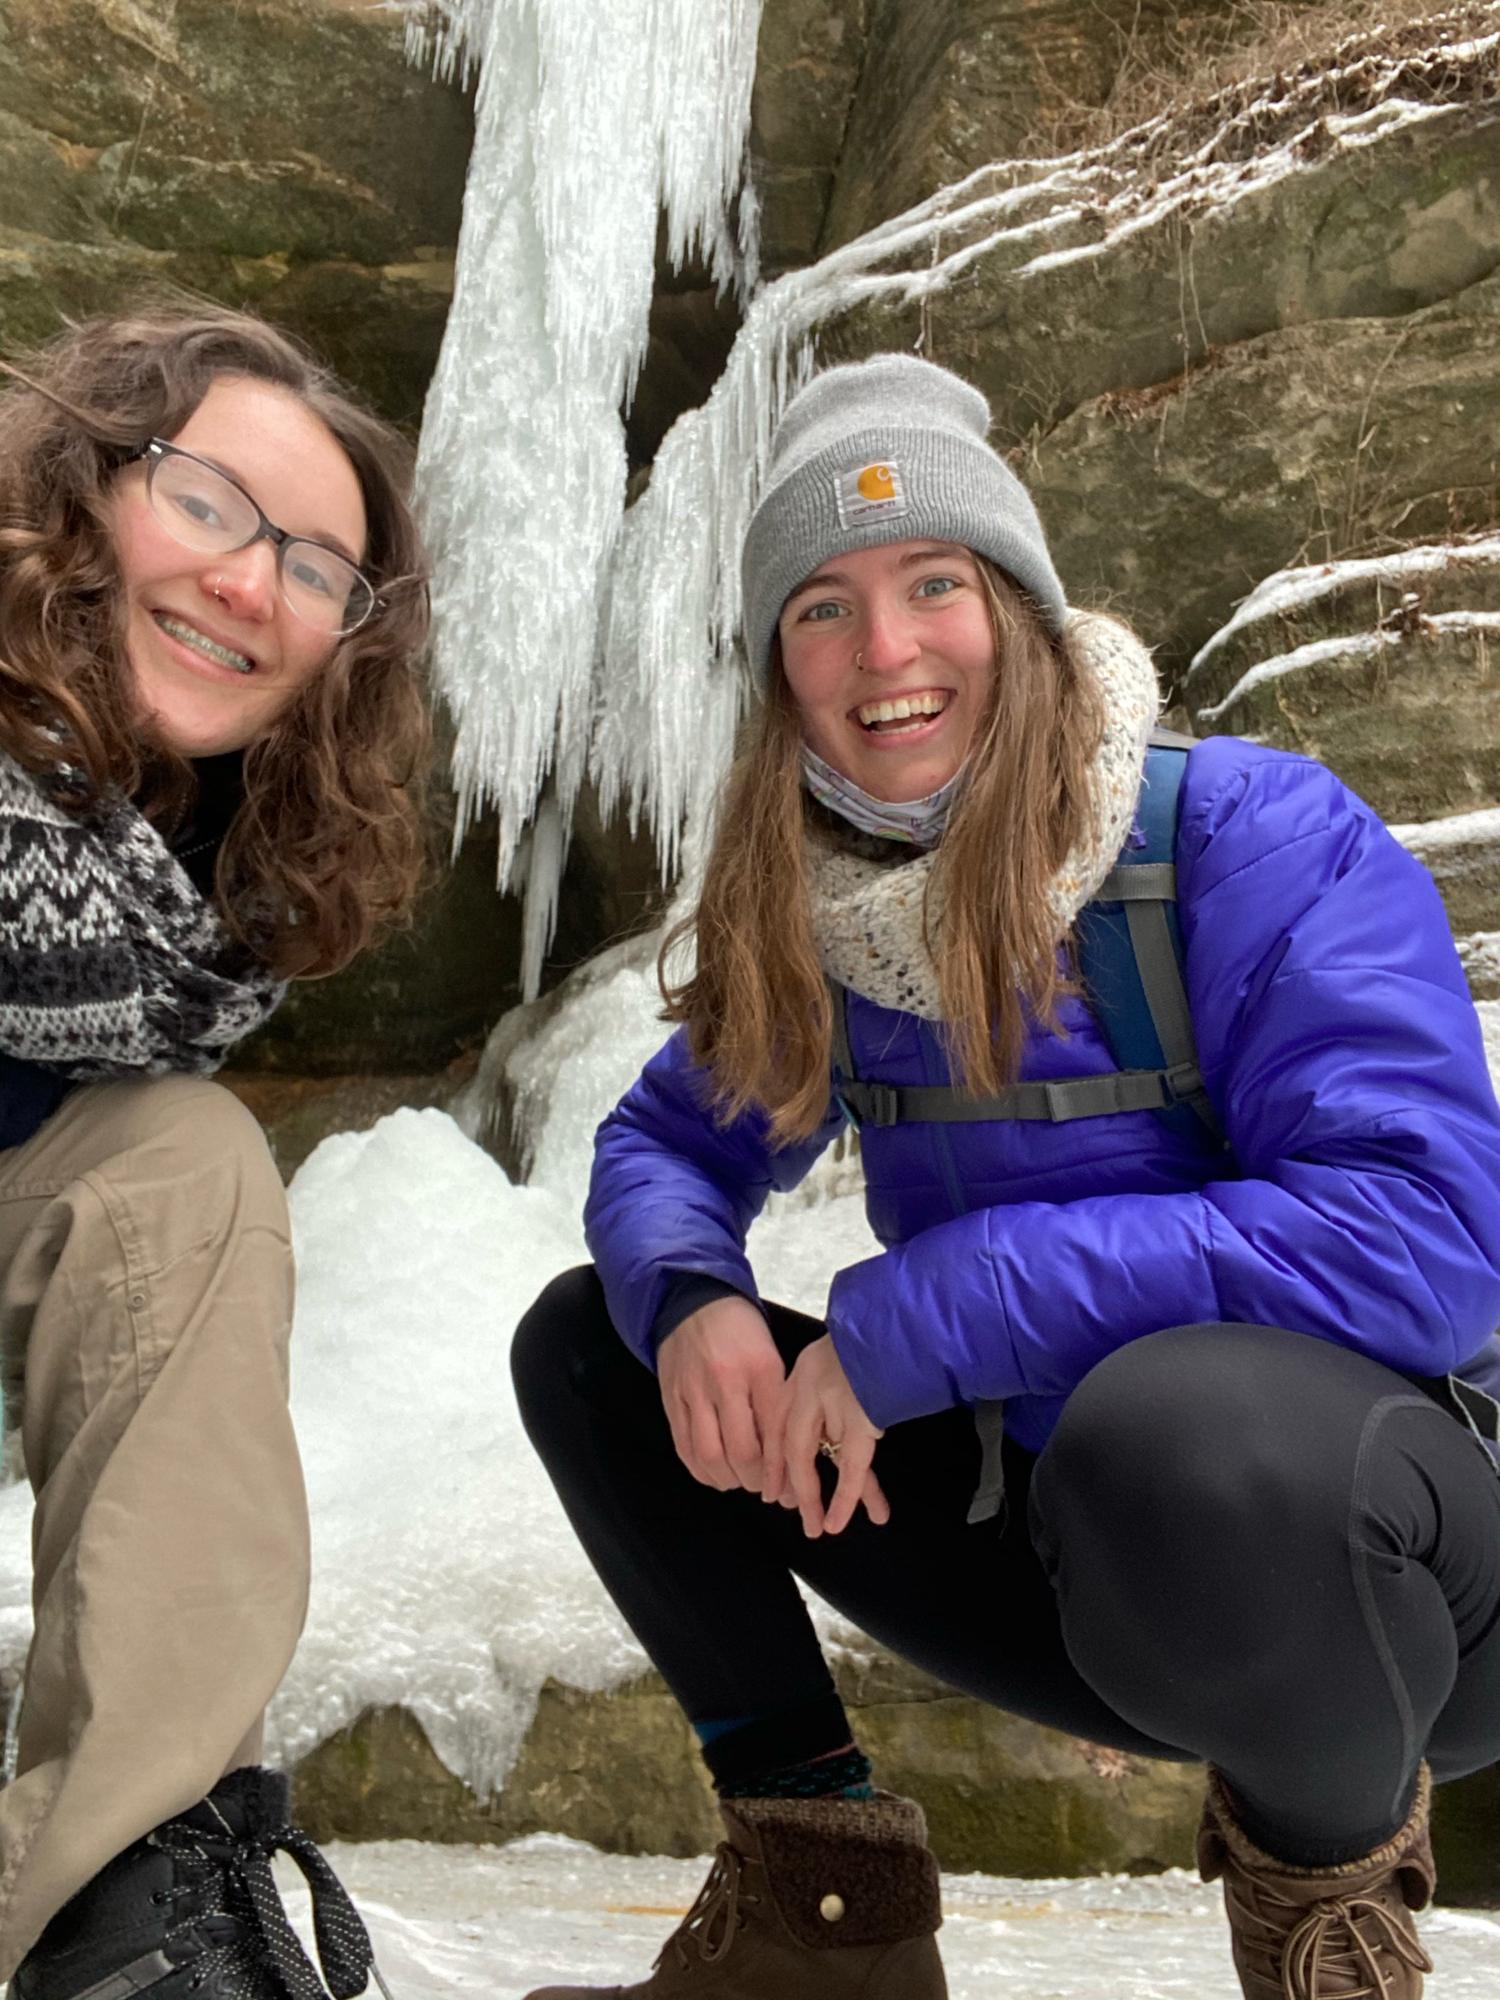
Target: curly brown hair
[[757, 1007], [329, 846]]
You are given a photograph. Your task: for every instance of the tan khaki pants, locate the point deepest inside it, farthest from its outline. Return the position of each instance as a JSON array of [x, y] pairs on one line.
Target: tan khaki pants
[[145, 1302]]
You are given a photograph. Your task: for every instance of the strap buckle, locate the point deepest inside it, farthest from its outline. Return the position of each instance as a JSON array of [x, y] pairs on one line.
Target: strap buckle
[[1182, 1081], [884, 1105], [864, 1103]]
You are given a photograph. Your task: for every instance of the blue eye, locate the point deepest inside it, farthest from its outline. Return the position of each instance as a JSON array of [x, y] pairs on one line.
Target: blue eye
[[198, 509], [310, 575], [936, 586], [820, 614]]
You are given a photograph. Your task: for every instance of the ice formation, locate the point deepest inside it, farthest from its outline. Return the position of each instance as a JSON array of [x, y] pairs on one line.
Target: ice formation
[[570, 644], [590, 122]]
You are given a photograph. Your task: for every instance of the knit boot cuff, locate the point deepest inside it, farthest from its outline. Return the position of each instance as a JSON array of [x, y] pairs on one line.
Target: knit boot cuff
[[843, 1871], [1409, 1849]]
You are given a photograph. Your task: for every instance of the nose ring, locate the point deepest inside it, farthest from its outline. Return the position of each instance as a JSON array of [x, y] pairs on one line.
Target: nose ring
[[215, 592], [859, 661]]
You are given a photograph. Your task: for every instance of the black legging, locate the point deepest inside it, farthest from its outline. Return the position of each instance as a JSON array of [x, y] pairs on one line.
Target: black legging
[[1241, 1544]]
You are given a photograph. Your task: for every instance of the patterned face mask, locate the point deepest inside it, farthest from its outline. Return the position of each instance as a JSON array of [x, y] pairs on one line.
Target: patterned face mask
[[918, 822]]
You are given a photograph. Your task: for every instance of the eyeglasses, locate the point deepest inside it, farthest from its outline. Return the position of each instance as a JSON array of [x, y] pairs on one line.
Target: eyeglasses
[[205, 509]]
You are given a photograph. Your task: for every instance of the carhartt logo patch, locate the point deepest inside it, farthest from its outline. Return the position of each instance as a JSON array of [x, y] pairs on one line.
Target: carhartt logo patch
[[870, 492]]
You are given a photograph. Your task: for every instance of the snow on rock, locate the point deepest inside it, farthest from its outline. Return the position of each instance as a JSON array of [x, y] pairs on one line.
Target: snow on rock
[[1489, 1022], [446, 1579], [1433, 836], [1292, 590], [1349, 646], [1479, 955]]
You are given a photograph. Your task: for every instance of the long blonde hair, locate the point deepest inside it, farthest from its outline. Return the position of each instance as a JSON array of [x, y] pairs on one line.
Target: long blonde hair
[[757, 1007], [330, 844]]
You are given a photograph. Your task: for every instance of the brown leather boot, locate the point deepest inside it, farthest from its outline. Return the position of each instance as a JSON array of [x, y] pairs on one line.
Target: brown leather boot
[[1342, 1933], [807, 1899]]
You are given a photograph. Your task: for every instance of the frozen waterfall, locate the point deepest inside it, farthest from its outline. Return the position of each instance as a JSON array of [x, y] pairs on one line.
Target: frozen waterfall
[[590, 123]]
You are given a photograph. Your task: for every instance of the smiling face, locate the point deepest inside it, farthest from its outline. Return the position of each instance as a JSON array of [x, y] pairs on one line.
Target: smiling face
[[215, 651], [890, 657]]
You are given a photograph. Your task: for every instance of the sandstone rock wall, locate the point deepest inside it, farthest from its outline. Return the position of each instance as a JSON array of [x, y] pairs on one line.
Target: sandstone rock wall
[[275, 153]]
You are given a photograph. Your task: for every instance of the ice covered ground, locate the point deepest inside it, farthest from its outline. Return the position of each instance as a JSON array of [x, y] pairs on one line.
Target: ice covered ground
[[498, 1921]]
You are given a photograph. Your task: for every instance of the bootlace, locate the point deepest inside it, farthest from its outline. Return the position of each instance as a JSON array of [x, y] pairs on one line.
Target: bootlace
[[1322, 1951], [249, 1935], [712, 1924], [1330, 1940]]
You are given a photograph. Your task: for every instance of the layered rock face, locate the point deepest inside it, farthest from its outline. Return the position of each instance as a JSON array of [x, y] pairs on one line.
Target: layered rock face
[[275, 153]]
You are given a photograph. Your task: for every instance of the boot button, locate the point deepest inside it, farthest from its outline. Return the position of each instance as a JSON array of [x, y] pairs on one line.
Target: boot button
[[831, 1909]]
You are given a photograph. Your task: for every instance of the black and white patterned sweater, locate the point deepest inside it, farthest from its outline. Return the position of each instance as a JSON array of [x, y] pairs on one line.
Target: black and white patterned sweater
[[113, 961]]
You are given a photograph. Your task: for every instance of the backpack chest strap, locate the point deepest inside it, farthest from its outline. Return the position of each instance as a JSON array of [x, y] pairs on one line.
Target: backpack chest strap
[[1056, 1101]]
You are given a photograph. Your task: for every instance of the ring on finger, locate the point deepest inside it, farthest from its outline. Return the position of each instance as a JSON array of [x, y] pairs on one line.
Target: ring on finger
[[828, 1449]]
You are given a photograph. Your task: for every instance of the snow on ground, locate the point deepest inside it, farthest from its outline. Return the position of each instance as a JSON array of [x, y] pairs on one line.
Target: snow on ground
[[498, 1921]]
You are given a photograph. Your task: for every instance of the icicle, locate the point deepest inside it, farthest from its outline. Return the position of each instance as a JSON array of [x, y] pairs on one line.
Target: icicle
[[548, 845], [590, 122]]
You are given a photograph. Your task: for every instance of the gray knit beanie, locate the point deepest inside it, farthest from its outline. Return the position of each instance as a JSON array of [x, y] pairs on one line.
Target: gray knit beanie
[[886, 450]]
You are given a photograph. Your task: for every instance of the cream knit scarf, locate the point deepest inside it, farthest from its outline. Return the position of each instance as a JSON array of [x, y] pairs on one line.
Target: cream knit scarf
[[868, 914]]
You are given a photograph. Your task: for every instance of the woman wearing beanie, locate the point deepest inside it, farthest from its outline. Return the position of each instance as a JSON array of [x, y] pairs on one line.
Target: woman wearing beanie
[[212, 737], [1142, 1423]]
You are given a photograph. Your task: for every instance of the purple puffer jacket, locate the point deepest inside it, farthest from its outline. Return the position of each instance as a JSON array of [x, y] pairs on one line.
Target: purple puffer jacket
[[1360, 1203]]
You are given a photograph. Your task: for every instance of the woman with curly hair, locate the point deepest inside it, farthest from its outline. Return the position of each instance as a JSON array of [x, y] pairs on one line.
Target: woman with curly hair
[[213, 736], [1154, 1418]]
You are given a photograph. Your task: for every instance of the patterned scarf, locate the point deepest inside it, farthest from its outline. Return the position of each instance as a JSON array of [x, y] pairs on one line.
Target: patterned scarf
[[868, 915], [111, 962], [916, 823]]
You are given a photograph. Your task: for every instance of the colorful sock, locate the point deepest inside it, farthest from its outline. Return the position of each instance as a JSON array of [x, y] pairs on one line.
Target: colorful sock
[[840, 1774], [799, 1751]]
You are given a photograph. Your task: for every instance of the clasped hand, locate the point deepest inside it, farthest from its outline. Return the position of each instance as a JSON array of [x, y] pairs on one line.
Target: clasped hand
[[740, 1421]]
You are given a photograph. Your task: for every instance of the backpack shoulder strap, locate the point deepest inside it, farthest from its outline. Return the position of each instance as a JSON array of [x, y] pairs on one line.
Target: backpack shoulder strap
[[1130, 953], [1130, 960]]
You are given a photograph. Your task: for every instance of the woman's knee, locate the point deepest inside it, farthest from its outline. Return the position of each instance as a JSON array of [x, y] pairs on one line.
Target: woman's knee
[[562, 1344], [157, 1134], [1198, 1432]]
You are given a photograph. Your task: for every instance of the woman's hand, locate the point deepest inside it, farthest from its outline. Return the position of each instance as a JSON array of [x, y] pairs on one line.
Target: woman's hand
[[722, 1382], [819, 1403]]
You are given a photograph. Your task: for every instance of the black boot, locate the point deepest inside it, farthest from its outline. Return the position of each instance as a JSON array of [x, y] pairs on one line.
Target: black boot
[[192, 1909]]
